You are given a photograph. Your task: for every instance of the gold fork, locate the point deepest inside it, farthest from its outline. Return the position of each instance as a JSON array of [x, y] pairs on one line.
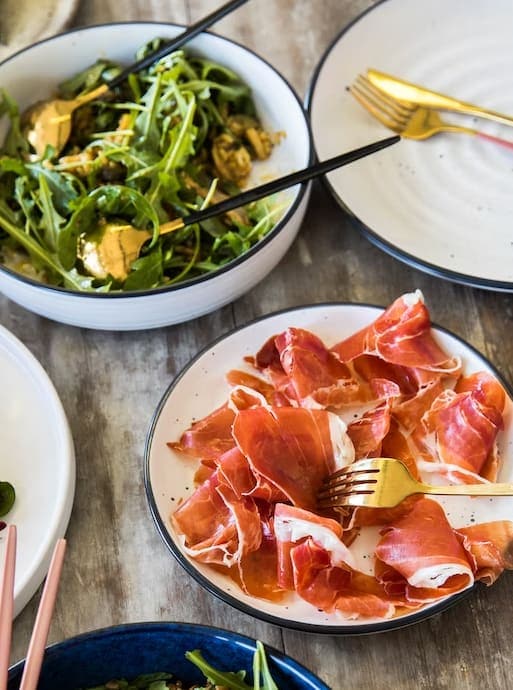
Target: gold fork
[[408, 119], [385, 482]]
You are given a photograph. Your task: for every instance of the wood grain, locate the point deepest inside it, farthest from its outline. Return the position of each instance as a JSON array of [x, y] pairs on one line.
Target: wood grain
[[117, 569]]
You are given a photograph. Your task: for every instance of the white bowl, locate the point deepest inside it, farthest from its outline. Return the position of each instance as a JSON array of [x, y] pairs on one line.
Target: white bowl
[[33, 74]]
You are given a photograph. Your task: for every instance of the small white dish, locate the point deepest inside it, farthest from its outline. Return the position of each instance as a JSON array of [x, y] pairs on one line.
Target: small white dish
[[279, 108], [38, 459], [443, 205], [201, 387]]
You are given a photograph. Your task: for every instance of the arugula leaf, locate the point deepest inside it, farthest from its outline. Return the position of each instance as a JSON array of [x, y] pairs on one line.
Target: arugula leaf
[[84, 217], [85, 80], [51, 221], [15, 142], [64, 188], [146, 272], [262, 679], [229, 679]]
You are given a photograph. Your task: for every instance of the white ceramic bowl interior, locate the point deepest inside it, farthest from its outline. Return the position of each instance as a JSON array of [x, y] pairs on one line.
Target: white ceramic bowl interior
[[33, 74]]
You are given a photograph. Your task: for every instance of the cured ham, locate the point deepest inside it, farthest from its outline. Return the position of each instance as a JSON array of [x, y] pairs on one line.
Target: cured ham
[[219, 526], [295, 449], [401, 335], [314, 562], [208, 438], [368, 432], [421, 553], [305, 371], [490, 546], [265, 453], [466, 422]]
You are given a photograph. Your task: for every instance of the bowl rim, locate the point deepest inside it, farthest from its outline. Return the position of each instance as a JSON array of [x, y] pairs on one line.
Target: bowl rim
[[303, 187], [341, 629], [281, 659]]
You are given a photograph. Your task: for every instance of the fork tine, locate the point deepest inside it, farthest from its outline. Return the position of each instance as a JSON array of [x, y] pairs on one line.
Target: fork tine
[[401, 108], [393, 111], [374, 110], [368, 465], [344, 500], [341, 485]]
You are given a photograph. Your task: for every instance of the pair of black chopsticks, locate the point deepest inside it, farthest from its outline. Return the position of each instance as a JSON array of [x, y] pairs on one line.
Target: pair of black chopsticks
[[274, 186]]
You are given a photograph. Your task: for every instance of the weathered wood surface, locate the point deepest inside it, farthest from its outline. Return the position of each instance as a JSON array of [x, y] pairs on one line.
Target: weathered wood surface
[[117, 568]]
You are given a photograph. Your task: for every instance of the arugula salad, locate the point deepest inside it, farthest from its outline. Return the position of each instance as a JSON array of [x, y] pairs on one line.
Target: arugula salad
[[174, 137], [216, 679]]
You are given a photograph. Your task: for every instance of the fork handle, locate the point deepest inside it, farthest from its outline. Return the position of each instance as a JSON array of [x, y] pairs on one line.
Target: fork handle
[[496, 140], [480, 135], [469, 490]]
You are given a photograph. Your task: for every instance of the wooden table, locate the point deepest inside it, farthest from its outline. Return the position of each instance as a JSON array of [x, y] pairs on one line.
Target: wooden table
[[117, 569]]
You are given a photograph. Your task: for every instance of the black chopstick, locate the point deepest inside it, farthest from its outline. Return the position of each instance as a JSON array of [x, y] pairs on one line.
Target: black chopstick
[[177, 42], [281, 183]]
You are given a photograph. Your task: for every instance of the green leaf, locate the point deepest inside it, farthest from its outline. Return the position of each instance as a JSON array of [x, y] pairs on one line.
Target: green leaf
[[15, 142], [41, 253], [146, 125], [12, 165], [51, 221], [63, 187], [85, 80], [261, 666], [146, 272], [229, 679], [7, 497], [82, 220]]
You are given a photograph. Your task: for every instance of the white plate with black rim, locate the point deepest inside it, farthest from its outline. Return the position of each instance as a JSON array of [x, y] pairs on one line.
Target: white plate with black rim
[[443, 205], [37, 457], [201, 387]]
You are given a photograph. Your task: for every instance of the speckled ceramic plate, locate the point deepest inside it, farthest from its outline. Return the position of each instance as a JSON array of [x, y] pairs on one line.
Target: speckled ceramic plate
[[37, 458], [201, 387], [443, 205]]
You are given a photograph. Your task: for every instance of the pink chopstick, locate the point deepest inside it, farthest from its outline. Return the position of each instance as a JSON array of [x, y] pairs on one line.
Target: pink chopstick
[[39, 636], [7, 604]]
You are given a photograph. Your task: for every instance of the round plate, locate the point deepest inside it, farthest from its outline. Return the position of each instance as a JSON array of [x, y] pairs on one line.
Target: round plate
[[38, 459], [26, 21], [201, 387], [443, 205]]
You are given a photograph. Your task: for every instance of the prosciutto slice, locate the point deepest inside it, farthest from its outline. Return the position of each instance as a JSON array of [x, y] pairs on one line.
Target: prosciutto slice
[[368, 432], [315, 563], [208, 438], [401, 335], [421, 555], [465, 423], [305, 371], [349, 593], [490, 546], [293, 448], [217, 525]]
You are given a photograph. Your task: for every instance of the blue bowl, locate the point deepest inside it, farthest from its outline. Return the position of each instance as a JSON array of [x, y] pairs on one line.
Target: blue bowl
[[127, 651]]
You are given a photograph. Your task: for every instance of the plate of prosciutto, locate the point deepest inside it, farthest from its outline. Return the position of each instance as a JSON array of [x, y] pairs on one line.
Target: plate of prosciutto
[[246, 434]]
